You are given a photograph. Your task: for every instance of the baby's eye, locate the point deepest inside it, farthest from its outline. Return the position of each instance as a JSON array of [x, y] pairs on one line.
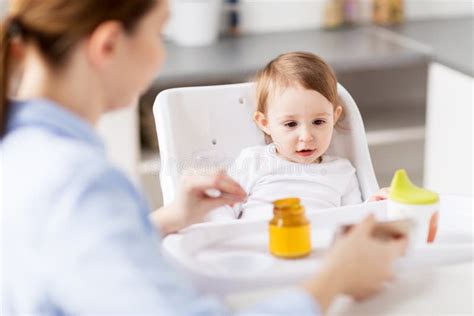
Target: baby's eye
[[319, 122], [290, 124]]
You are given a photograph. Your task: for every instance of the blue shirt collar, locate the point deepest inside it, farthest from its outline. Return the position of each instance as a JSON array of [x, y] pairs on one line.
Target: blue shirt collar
[[50, 115]]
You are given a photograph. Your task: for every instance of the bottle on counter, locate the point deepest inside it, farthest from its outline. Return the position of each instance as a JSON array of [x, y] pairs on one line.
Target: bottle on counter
[[289, 229], [351, 12], [387, 12], [233, 17], [339, 13], [333, 14], [196, 23]]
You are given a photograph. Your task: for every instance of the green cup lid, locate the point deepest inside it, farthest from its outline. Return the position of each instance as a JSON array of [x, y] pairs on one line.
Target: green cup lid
[[404, 191]]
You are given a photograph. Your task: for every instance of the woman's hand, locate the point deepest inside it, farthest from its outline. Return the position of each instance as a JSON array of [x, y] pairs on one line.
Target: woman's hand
[[358, 265], [380, 195], [192, 203]]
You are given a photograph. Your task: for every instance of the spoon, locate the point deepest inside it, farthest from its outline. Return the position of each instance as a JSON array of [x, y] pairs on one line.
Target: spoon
[[258, 199], [214, 193]]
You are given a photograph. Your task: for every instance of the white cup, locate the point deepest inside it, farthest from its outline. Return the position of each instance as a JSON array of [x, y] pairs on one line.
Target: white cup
[[196, 22], [424, 216]]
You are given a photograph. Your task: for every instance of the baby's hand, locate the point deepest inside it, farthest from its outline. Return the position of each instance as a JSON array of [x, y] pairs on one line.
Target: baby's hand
[[382, 194]]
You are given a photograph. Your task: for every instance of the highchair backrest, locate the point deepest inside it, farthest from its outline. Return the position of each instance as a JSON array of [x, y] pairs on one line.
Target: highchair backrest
[[202, 126]]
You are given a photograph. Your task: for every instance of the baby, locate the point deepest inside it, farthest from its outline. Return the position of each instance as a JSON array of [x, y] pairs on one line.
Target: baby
[[297, 110]]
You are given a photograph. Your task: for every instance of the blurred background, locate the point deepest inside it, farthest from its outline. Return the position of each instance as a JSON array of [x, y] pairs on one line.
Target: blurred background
[[407, 63]]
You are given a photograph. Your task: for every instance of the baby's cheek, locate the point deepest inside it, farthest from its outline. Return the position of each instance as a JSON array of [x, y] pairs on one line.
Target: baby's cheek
[[324, 140], [326, 136]]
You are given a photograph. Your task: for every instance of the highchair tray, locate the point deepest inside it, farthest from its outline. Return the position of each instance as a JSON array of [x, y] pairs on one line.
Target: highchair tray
[[234, 256]]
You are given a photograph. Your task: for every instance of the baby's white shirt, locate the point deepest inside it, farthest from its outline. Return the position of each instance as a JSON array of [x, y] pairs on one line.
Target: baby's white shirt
[[265, 175]]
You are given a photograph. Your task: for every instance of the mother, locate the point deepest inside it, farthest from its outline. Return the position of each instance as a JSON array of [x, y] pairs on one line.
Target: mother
[[77, 237]]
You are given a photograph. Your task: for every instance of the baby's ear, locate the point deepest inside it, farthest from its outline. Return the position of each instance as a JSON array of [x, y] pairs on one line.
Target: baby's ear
[[337, 113], [261, 121]]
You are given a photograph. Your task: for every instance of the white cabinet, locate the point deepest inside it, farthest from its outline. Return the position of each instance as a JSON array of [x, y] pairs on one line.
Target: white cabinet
[[449, 141]]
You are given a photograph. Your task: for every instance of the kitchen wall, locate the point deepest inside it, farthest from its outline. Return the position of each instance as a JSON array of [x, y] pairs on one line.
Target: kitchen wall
[[418, 9], [3, 8], [259, 16]]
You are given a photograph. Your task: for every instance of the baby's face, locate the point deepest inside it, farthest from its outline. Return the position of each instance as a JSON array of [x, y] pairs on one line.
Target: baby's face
[[300, 122]]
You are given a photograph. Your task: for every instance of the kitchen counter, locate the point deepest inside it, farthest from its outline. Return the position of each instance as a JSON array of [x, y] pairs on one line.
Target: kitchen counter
[[236, 59], [450, 41]]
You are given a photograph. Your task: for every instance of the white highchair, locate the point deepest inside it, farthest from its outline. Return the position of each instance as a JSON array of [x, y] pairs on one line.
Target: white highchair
[[192, 122], [201, 126]]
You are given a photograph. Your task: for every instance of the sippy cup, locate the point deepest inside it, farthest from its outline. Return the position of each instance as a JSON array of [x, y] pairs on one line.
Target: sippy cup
[[289, 229], [421, 205]]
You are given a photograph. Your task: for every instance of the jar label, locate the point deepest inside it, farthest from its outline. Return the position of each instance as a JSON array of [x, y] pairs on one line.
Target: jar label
[[290, 242]]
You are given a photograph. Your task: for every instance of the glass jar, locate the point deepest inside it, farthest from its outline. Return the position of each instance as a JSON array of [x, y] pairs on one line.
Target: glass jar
[[289, 229]]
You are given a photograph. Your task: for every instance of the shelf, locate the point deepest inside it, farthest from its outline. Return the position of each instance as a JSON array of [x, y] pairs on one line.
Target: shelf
[[394, 124], [391, 136]]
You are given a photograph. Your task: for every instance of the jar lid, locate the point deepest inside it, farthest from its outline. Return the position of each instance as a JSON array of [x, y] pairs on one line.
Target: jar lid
[[291, 203], [404, 191]]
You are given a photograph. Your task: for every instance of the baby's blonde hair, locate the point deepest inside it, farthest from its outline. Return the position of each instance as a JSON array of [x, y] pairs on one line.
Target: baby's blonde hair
[[305, 69]]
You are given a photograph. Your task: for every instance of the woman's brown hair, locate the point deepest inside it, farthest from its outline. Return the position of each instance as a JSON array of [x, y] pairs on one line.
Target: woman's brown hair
[[55, 27]]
